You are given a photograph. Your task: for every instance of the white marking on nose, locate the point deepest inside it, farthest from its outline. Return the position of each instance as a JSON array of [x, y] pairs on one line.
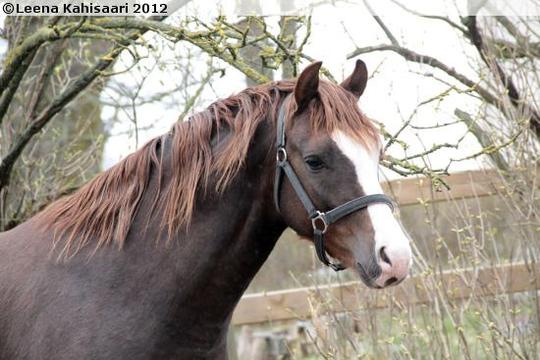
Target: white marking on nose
[[387, 231]]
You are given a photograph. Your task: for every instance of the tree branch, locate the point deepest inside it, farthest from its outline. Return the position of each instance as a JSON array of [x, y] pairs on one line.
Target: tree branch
[[45, 73], [199, 39], [509, 50], [14, 84], [16, 56], [412, 56], [382, 25], [73, 89], [433, 17], [511, 89], [483, 138]]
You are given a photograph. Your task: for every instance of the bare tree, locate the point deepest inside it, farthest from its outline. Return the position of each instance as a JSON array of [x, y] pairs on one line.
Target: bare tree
[[506, 58], [40, 61], [62, 155]]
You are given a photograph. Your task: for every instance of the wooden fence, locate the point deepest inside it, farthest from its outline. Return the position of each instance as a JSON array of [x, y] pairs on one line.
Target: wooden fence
[[462, 185], [454, 285]]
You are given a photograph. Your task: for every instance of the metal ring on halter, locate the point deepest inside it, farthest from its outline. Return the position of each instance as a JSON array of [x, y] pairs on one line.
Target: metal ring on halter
[[281, 155], [318, 220]]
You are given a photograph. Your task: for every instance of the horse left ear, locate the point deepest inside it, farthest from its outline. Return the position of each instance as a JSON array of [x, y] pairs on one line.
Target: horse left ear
[[307, 85], [356, 82]]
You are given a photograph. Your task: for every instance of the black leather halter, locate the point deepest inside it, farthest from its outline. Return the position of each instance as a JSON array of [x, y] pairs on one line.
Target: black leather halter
[[319, 220]]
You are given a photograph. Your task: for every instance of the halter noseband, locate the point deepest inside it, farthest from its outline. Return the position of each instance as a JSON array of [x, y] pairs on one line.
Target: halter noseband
[[320, 221]]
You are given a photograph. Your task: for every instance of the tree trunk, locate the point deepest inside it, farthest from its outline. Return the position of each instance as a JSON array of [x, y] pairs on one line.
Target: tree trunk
[[250, 53]]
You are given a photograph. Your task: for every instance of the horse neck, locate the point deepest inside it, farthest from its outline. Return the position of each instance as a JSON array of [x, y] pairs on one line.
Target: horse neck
[[229, 238]]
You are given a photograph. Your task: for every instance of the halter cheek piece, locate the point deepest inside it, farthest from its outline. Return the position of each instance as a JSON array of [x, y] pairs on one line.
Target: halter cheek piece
[[320, 221]]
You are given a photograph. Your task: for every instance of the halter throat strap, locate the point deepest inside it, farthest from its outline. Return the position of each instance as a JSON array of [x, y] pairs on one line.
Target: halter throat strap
[[320, 220]]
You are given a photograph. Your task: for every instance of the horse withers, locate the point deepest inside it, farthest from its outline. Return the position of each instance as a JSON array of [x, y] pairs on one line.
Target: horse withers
[[149, 259]]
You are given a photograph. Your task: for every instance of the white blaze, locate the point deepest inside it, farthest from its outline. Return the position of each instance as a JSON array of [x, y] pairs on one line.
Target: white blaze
[[388, 232]]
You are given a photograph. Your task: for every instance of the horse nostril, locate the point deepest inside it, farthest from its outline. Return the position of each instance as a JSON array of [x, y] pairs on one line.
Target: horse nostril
[[384, 257], [390, 281]]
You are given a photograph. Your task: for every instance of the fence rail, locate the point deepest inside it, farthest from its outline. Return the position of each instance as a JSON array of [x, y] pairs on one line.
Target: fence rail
[[456, 285], [465, 184]]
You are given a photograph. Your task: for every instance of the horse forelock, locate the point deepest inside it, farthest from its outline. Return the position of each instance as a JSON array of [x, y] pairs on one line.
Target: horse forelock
[[103, 210], [337, 109]]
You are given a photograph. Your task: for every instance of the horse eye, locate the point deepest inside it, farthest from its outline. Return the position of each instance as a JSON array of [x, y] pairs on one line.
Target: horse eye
[[314, 162]]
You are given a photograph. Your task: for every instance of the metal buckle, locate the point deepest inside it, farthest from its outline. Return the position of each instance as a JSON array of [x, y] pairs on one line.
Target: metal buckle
[[281, 155], [319, 220]]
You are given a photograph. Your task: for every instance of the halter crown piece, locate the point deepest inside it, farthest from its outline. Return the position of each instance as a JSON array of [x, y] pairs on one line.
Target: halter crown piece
[[320, 220]]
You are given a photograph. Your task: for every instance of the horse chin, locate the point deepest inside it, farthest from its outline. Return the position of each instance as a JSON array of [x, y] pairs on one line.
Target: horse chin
[[366, 279]]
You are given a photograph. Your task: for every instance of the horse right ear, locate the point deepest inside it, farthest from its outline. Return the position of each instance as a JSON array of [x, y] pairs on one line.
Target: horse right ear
[[307, 85], [356, 82]]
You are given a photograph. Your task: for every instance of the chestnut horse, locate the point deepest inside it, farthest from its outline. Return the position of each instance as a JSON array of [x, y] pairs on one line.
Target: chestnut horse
[[149, 259]]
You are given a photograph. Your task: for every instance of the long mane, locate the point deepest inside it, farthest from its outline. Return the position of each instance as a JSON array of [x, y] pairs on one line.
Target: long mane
[[102, 211]]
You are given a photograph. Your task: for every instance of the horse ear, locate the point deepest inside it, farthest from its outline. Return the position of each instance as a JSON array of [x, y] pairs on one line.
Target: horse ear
[[307, 85], [356, 82]]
